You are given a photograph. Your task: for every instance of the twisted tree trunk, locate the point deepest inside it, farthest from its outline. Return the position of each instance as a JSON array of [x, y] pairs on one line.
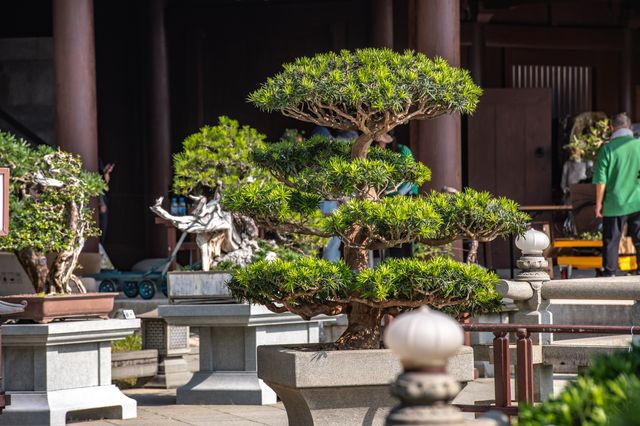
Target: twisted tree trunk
[[61, 271], [35, 265], [363, 330]]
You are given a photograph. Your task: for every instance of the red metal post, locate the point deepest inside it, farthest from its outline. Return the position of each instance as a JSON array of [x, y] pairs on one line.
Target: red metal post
[[502, 373], [524, 368]]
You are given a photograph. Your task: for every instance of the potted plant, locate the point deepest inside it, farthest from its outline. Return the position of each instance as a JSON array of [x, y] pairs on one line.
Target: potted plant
[[49, 194], [214, 158], [371, 91]]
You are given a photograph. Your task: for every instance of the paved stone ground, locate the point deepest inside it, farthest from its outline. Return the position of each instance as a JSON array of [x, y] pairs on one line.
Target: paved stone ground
[[156, 407]]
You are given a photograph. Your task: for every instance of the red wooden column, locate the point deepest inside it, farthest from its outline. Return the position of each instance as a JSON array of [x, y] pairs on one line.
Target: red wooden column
[[76, 122], [159, 123], [438, 141], [381, 29]]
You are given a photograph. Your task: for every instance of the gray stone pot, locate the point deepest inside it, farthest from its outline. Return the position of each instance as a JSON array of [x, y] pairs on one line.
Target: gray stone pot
[[198, 287], [321, 387]]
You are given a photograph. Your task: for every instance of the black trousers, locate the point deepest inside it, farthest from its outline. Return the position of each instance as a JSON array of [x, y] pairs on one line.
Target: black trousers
[[611, 233]]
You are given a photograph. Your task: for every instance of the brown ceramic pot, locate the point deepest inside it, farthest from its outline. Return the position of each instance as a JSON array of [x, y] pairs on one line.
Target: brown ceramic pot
[[44, 309]]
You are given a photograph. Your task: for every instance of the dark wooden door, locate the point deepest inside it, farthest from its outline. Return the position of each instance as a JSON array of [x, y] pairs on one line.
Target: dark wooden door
[[509, 151]]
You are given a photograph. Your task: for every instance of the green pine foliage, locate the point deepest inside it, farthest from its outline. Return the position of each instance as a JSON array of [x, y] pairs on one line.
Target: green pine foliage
[[365, 83], [397, 283], [387, 222], [215, 154], [476, 215], [276, 206], [606, 394], [39, 215]]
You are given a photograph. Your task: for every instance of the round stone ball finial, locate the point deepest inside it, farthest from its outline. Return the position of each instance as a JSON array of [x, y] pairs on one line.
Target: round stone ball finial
[[532, 242], [423, 338]]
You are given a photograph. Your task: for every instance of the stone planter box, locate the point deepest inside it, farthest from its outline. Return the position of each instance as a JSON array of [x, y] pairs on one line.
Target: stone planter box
[[229, 336], [44, 309], [321, 387], [62, 370], [125, 365], [198, 287]]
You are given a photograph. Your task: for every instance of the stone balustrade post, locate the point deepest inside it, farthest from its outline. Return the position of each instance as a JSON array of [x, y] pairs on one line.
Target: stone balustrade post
[[424, 340], [526, 292], [526, 289]]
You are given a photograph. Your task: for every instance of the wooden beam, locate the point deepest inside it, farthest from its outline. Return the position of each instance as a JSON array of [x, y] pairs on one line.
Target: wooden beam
[[530, 37]]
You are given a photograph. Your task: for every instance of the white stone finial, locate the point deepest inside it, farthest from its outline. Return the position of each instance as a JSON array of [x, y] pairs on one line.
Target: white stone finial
[[532, 242], [423, 338]]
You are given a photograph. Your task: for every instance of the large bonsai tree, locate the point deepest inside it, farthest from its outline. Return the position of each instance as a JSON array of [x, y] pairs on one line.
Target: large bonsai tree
[[371, 91], [49, 194]]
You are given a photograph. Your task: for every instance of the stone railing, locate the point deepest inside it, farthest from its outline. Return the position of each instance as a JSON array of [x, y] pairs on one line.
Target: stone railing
[[532, 291]]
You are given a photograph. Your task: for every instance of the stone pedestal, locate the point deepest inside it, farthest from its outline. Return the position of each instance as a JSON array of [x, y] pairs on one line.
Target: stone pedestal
[[172, 343], [347, 388], [229, 337], [63, 370]]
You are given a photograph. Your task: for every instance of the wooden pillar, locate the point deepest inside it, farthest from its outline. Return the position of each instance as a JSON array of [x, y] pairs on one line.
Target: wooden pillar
[[438, 140], [76, 120], [477, 52], [626, 83], [159, 150], [381, 28]]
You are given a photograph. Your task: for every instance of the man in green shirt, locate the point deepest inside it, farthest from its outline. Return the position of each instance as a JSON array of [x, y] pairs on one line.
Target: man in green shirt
[[616, 175]]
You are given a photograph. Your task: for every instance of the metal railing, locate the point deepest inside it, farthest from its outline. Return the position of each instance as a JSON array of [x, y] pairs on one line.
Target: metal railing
[[524, 359]]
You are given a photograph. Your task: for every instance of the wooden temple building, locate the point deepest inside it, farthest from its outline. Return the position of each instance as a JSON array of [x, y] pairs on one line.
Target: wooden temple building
[[125, 81]]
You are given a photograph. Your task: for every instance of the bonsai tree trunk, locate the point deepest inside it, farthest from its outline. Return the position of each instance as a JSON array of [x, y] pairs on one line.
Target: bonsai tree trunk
[[472, 257], [61, 271], [210, 245], [35, 265], [363, 330]]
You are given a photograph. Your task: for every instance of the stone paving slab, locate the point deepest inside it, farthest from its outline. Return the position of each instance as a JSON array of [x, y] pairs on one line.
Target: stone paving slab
[[157, 407]]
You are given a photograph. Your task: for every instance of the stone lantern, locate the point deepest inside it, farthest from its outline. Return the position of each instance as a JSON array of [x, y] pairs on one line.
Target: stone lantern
[[424, 340]]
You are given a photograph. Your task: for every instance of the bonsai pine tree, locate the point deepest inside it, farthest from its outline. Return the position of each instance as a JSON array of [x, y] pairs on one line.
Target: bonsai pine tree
[[371, 91], [49, 194], [214, 158]]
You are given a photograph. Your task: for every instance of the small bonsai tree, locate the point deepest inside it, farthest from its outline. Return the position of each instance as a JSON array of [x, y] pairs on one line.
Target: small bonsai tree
[[589, 133], [49, 194], [372, 91], [214, 158]]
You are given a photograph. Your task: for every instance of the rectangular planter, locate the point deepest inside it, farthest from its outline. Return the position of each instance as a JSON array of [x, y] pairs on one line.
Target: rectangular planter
[[326, 387], [198, 287], [44, 309]]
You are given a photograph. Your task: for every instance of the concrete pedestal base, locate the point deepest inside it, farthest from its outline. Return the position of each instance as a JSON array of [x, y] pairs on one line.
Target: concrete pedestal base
[[229, 336], [56, 407], [63, 370], [320, 387], [173, 371]]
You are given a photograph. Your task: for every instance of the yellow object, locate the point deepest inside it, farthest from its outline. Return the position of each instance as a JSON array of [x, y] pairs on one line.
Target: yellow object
[[625, 263], [567, 243]]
